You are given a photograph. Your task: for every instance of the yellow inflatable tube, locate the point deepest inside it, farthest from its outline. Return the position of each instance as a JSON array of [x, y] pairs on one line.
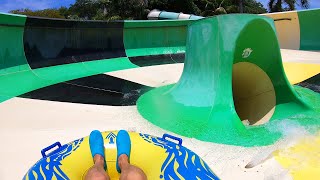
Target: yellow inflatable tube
[[160, 158]]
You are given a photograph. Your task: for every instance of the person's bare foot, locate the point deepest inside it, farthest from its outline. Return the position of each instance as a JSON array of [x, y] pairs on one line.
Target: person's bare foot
[[123, 161], [97, 172]]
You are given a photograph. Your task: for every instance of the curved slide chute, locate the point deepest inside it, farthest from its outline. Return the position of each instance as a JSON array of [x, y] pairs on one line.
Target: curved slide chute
[[36, 52], [230, 74]]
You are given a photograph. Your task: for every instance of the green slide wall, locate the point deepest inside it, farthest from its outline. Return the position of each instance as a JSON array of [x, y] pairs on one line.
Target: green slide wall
[[11, 51], [309, 29], [15, 74], [143, 38]]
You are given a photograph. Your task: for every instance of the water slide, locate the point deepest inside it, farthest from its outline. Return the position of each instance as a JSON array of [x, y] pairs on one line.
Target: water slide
[[229, 76], [232, 75], [37, 52], [243, 77], [78, 49]]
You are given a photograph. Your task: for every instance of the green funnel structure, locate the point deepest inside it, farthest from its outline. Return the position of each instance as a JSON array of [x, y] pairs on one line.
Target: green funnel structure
[[233, 72]]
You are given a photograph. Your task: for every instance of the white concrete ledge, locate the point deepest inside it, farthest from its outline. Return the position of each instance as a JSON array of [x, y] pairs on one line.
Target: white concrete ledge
[[310, 57]]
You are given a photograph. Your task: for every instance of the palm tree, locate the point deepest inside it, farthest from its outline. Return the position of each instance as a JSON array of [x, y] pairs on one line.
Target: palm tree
[[277, 5], [241, 6], [104, 5]]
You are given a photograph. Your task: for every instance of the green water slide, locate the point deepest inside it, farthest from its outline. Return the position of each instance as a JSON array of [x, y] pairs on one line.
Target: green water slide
[[37, 52], [230, 75]]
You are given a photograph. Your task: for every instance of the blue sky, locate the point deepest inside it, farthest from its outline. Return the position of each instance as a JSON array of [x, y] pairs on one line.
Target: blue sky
[[313, 3], [7, 5]]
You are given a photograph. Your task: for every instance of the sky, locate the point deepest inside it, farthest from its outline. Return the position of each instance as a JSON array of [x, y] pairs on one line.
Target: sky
[[7, 5], [313, 3]]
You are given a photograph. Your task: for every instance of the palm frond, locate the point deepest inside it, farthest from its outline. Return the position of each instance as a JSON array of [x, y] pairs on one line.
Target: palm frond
[[304, 3], [271, 4], [291, 4]]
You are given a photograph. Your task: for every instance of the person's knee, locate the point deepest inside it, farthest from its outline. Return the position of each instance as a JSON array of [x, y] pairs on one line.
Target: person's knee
[[96, 174], [132, 176], [133, 173]]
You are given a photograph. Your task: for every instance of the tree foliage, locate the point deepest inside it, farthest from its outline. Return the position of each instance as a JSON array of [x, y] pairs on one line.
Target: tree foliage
[[209, 7], [50, 13], [85, 9], [138, 9], [287, 5]]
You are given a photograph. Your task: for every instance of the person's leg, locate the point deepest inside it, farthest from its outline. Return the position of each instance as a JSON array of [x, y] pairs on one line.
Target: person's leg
[[128, 171], [97, 172]]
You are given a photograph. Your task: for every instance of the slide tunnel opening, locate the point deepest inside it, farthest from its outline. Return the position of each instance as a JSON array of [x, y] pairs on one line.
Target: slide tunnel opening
[[253, 94]]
